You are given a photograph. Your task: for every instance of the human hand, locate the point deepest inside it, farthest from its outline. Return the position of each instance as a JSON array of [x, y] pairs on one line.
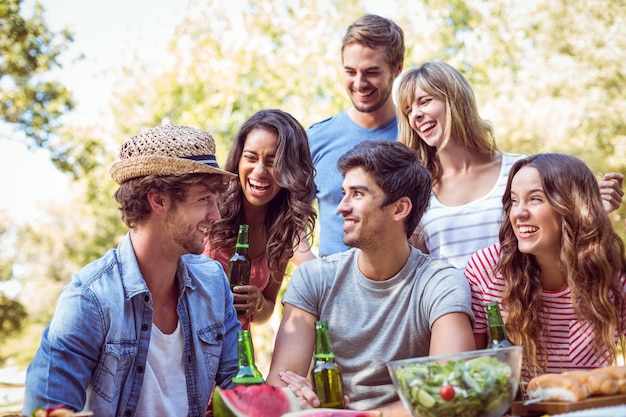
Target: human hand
[[247, 300], [301, 386], [611, 190], [307, 398]]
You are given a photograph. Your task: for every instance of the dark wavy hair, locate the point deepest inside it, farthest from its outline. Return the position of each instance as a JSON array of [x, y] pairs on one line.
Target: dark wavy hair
[[291, 214], [396, 171], [132, 195], [463, 122], [592, 258]]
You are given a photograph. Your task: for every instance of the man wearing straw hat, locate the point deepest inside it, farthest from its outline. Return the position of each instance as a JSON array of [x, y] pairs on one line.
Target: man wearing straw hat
[[150, 327]]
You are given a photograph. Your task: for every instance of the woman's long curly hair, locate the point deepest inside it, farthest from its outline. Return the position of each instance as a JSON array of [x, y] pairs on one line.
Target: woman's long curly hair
[[290, 215], [463, 122], [592, 258]]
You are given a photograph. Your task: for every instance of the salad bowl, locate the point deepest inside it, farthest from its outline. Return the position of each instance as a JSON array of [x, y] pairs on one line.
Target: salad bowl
[[479, 383]]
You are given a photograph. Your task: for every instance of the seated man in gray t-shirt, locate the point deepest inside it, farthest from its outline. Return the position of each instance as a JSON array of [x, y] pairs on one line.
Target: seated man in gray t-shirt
[[383, 300]]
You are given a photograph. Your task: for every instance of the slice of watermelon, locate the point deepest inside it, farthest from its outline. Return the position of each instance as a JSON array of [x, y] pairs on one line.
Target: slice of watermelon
[[332, 412], [254, 401]]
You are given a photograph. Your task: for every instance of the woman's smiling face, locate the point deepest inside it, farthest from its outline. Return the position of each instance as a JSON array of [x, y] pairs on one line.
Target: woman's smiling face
[[535, 222], [256, 167]]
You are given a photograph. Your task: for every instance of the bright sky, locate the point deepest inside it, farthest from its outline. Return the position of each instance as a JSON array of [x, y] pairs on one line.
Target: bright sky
[[107, 33]]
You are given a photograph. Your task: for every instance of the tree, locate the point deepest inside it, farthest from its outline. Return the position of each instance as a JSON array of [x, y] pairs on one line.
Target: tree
[[29, 101], [546, 73]]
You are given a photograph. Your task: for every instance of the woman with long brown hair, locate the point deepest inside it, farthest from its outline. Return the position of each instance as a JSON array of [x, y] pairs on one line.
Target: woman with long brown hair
[[559, 271], [273, 195]]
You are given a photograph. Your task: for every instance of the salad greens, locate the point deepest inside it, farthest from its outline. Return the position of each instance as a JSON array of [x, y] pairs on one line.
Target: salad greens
[[483, 387]]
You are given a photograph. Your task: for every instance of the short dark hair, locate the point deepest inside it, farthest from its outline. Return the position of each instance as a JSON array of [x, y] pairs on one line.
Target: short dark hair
[[396, 170]]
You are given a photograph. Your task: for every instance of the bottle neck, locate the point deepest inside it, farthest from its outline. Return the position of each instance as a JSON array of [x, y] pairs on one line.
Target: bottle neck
[[323, 347], [241, 250], [497, 330], [497, 333], [242, 244], [245, 354]]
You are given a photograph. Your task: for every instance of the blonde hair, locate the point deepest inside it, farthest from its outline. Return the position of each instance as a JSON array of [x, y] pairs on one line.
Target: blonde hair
[[463, 122]]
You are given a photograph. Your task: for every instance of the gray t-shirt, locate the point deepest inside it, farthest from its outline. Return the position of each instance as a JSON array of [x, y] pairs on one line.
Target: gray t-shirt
[[374, 322]]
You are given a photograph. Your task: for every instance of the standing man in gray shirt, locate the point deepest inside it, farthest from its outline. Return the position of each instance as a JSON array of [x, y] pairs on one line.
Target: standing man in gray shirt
[[383, 300]]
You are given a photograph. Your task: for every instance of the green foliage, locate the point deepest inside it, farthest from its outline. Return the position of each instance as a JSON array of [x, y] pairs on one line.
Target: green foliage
[[29, 101], [548, 74], [227, 64], [12, 313]]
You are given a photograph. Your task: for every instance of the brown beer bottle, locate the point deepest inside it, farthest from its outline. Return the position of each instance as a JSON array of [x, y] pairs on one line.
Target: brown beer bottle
[[248, 374], [326, 374], [239, 264]]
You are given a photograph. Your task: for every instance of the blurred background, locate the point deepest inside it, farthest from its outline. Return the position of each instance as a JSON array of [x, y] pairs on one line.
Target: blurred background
[[78, 78]]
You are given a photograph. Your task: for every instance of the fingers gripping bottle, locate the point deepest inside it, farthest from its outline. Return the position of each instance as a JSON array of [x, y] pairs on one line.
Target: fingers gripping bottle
[[326, 374], [239, 264], [248, 374]]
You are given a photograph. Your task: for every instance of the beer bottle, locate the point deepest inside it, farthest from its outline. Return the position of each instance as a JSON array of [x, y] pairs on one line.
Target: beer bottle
[[248, 374], [499, 339], [326, 374], [239, 264], [497, 331]]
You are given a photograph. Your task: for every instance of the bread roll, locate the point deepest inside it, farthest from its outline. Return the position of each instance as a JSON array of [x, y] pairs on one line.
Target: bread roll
[[556, 387], [595, 383], [618, 373]]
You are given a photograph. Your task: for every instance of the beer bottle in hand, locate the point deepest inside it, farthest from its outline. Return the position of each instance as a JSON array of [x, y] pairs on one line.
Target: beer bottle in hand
[[326, 374], [239, 264], [248, 374]]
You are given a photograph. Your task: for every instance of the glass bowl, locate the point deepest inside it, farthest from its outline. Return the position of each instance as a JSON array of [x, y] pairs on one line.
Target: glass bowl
[[478, 383]]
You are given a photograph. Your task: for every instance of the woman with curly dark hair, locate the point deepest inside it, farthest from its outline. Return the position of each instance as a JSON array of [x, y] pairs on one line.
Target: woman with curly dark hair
[[273, 195], [559, 271]]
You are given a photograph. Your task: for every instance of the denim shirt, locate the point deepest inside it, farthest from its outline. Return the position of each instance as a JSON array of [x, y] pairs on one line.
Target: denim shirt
[[93, 353]]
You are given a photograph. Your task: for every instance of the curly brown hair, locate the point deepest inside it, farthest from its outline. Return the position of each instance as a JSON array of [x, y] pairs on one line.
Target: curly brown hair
[[592, 258], [291, 214]]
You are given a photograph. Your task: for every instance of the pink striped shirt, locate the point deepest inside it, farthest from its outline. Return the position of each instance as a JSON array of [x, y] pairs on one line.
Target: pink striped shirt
[[569, 342]]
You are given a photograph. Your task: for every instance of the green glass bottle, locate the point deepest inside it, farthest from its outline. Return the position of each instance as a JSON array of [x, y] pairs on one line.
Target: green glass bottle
[[326, 374], [248, 374], [497, 331], [499, 339], [239, 264]]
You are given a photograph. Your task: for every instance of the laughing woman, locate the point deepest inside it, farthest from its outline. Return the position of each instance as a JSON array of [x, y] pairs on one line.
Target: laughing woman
[[273, 195], [559, 271]]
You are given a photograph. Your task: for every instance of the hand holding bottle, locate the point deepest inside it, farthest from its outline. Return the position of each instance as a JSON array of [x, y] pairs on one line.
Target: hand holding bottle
[[239, 267], [247, 300], [302, 388]]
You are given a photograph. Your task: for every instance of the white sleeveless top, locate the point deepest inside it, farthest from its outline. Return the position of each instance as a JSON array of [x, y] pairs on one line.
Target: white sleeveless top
[[164, 388], [454, 233]]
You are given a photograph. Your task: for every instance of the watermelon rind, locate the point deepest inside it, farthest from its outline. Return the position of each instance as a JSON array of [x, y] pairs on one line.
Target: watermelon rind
[[333, 412], [260, 401]]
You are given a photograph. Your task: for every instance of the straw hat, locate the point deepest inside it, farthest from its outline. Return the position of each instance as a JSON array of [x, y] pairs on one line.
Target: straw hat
[[167, 150]]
